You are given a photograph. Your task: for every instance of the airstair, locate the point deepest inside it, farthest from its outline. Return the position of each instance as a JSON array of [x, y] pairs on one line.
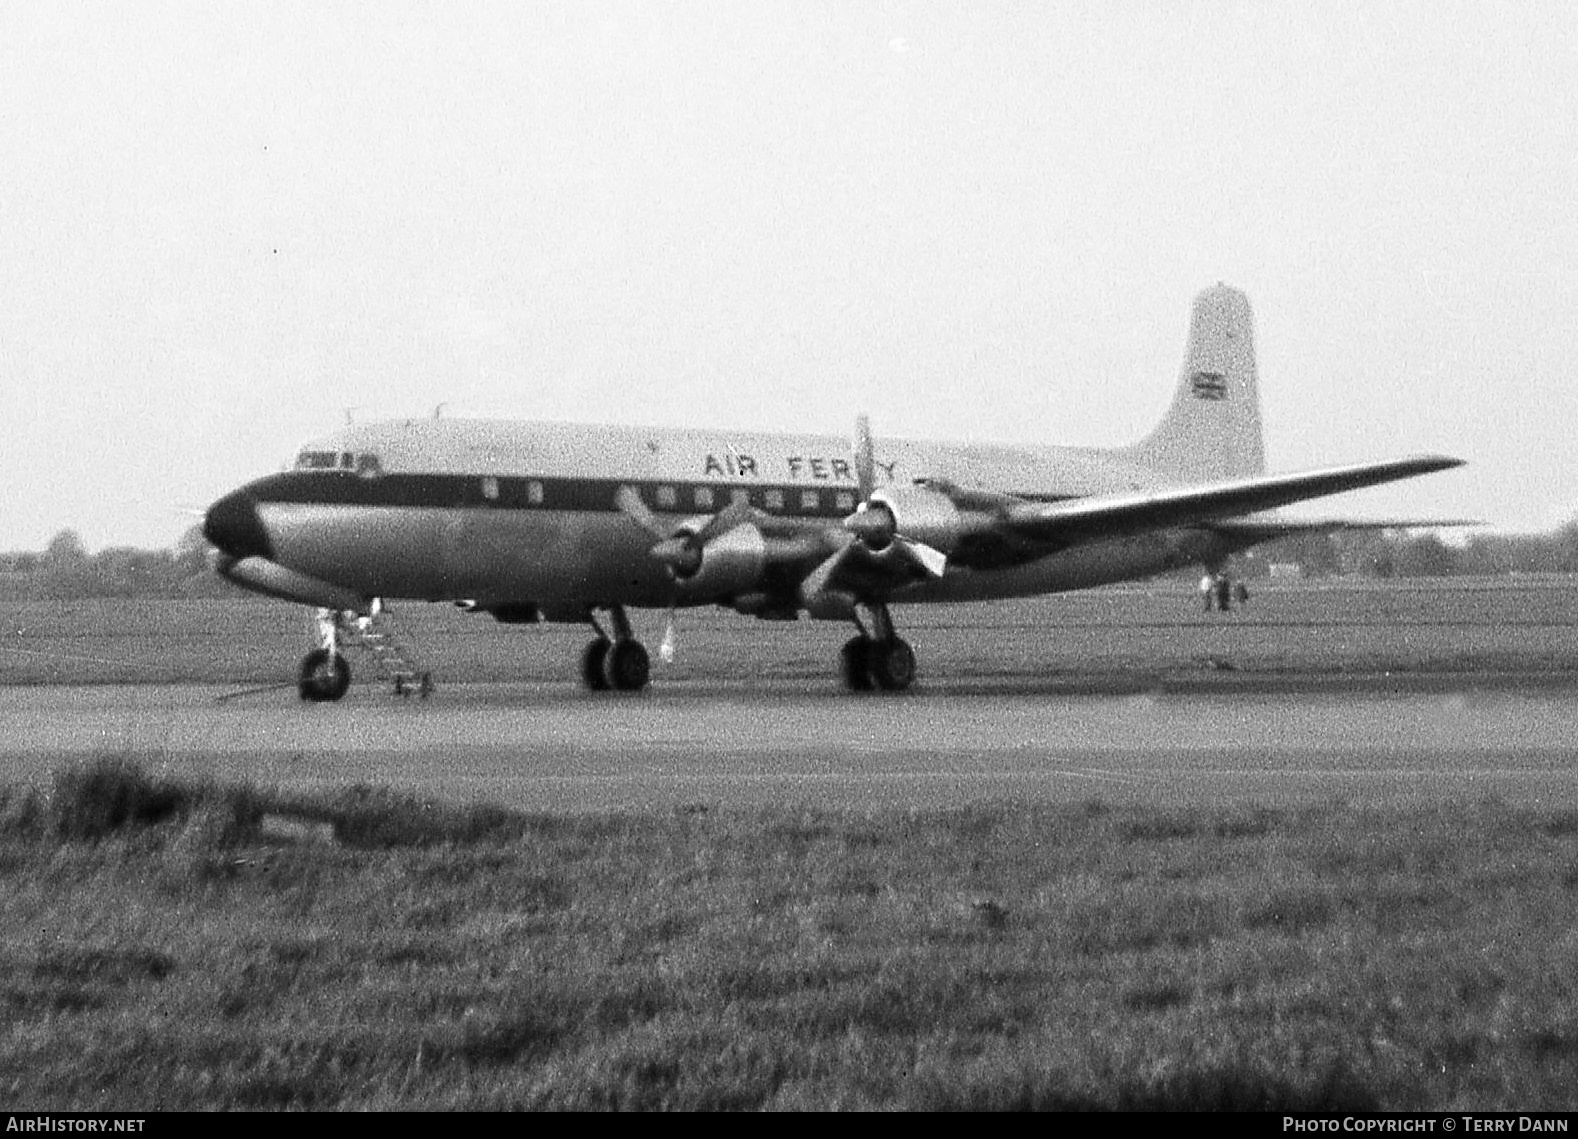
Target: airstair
[[377, 634]]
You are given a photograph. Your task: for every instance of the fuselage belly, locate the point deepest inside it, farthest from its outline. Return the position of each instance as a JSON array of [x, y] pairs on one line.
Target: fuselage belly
[[431, 553]]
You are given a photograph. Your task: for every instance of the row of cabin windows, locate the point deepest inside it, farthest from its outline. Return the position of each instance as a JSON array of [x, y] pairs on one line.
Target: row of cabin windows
[[665, 497], [772, 499], [701, 497], [490, 490]]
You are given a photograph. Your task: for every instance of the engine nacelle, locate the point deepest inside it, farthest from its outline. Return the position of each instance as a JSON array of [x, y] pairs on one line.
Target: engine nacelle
[[516, 612], [261, 575], [732, 563], [921, 515]]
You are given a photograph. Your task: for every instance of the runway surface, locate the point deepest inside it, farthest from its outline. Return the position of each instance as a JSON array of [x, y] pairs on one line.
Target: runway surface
[[1192, 741]]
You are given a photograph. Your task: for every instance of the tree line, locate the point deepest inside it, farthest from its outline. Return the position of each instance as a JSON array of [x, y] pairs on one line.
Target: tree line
[[1422, 553], [64, 569]]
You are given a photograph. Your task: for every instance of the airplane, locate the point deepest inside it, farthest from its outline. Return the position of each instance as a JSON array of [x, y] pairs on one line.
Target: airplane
[[544, 521]]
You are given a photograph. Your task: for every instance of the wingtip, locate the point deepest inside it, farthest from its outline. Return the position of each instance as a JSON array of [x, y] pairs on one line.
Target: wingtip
[[1428, 463]]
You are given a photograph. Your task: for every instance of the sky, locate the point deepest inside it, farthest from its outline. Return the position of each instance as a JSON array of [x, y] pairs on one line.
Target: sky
[[224, 225]]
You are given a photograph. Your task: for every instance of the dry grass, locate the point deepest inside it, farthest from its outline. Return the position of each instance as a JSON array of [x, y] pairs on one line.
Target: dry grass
[[160, 951]]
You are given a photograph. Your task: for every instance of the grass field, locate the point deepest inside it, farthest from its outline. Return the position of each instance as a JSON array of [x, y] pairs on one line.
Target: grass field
[[180, 945], [162, 951], [1456, 625]]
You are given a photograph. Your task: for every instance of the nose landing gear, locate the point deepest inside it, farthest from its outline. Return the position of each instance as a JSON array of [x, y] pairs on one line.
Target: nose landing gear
[[325, 674]]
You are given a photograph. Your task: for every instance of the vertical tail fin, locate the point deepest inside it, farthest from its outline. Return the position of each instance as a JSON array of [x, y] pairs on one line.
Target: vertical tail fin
[[1212, 429]]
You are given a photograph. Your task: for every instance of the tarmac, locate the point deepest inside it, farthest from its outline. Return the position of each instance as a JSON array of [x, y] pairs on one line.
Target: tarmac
[[1178, 740]]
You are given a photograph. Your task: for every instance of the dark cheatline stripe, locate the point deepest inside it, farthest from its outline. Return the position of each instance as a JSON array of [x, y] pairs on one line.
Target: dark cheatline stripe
[[511, 492]]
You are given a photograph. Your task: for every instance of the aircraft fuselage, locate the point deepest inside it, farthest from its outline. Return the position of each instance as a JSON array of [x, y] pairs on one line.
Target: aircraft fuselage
[[520, 512]]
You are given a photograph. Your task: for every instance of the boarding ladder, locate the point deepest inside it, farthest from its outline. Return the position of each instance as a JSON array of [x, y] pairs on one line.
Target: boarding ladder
[[377, 634]]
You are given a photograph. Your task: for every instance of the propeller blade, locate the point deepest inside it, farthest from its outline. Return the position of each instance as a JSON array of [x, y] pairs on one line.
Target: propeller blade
[[929, 559], [816, 581], [737, 513], [865, 459], [674, 551], [670, 642], [629, 502]]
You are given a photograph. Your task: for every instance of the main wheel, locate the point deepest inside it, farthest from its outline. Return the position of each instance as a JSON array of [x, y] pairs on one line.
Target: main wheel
[[627, 666], [892, 664], [592, 665], [855, 660], [324, 676]]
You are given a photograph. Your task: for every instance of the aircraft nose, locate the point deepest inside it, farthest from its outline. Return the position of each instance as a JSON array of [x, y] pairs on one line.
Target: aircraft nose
[[233, 525]]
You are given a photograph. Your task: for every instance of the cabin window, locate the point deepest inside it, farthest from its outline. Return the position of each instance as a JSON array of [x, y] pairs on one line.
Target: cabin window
[[809, 500], [315, 461], [534, 492], [346, 460], [740, 497], [775, 499], [703, 498], [490, 488], [368, 466], [846, 501], [667, 498]]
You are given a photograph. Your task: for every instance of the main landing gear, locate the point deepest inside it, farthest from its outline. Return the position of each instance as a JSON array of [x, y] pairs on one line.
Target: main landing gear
[[879, 659], [1218, 591], [619, 663]]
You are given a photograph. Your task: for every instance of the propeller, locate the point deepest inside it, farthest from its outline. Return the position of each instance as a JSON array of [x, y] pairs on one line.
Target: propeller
[[682, 552], [873, 523], [872, 527]]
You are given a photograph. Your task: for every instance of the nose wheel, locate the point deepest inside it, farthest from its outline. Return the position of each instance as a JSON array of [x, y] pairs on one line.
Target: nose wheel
[[324, 676]]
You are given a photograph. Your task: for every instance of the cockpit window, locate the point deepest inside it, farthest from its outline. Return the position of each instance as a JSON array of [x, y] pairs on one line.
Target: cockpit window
[[364, 463]]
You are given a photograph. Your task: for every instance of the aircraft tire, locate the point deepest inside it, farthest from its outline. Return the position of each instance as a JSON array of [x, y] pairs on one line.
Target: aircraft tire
[[626, 667], [592, 661], [892, 664], [855, 660], [324, 676]]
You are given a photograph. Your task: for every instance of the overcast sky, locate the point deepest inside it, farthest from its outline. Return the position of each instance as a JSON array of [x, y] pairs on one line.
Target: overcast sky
[[223, 224]]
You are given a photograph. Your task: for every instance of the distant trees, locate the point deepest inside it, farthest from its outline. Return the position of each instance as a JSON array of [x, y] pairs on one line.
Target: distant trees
[[1422, 553], [65, 570]]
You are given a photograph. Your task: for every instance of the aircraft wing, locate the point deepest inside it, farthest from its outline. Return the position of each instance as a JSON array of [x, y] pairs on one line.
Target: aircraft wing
[[1078, 520]]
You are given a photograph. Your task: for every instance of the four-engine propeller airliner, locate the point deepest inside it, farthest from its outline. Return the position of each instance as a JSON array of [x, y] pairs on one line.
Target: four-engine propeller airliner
[[558, 522]]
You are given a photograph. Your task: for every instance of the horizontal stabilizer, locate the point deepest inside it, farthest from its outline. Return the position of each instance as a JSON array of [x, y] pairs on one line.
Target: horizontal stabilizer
[[1261, 531], [1118, 515]]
